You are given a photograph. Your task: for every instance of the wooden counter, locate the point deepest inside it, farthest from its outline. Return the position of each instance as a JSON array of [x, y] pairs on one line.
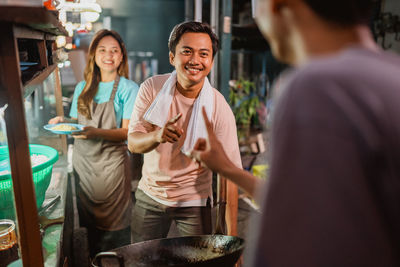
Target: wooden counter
[[36, 28]]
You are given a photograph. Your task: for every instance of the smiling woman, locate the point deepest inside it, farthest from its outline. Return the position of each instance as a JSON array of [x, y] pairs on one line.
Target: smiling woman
[[108, 57], [103, 102]]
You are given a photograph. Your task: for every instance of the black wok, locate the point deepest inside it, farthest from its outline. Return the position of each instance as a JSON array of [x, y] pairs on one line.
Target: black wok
[[205, 250]]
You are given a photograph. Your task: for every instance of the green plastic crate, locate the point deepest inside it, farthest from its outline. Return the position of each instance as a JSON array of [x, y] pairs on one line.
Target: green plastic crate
[[41, 178]]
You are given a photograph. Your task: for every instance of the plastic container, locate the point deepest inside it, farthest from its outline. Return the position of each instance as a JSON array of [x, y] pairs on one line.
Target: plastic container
[[8, 242], [41, 178]]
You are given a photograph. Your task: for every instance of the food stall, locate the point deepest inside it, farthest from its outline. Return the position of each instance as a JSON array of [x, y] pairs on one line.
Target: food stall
[[30, 91], [30, 94]]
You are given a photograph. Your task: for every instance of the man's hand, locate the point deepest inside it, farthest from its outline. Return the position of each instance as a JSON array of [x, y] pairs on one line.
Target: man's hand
[[170, 132], [209, 151]]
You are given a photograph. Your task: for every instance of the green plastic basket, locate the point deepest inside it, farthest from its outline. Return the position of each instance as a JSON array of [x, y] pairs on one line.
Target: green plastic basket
[[41, 178]]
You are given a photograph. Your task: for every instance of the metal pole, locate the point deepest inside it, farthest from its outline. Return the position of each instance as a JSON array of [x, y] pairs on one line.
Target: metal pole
[[198, 9], [189, 10], [224, 70], [214, 20]]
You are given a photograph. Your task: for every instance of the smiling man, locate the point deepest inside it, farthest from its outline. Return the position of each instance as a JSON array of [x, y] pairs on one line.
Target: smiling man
[[165, 123]]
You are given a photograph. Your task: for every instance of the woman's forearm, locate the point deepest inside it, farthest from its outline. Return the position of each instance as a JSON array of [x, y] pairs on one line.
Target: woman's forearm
[[242, 178], [115, 135], [119, 134]]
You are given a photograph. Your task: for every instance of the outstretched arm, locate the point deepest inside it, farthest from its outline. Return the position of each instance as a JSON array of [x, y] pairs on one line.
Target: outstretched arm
[[139, 142], [119, 134], [210, 152]]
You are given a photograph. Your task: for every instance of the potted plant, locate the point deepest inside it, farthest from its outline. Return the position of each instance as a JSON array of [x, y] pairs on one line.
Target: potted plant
[[244, 102]]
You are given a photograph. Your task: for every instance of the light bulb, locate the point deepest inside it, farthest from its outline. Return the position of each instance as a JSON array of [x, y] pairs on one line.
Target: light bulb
[[91, 16]]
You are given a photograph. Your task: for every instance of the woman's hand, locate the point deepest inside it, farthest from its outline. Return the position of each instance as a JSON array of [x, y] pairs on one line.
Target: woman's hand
[[210, 151], [88, 132], [170, 132], [56, 120]]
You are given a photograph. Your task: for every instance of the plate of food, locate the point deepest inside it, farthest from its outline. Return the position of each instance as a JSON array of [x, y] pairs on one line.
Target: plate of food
[[64, 128]]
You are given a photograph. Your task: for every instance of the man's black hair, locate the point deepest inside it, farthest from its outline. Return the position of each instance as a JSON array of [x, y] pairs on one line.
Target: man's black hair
[[343, 12], [192, 26]]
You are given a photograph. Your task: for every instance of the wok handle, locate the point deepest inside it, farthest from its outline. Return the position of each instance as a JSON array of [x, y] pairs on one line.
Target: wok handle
[[109, 254], [220, 227]]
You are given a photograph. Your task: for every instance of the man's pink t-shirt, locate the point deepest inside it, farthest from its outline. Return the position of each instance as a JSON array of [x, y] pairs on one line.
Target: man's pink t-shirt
[[169, 176]]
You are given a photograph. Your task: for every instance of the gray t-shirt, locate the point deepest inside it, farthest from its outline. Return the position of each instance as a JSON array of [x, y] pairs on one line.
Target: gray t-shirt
[[333, 197]]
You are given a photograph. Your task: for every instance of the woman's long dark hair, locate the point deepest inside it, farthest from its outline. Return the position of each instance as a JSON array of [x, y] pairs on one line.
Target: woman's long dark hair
[[92, 73]]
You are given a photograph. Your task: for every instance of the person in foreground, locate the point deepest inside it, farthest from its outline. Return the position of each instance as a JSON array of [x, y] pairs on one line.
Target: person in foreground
[[103, 102], [166, 122], [333, 194]]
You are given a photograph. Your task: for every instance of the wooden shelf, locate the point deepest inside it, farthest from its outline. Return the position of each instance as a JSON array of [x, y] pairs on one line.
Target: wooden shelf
[[24, 32], [38, 18], [37, 78]]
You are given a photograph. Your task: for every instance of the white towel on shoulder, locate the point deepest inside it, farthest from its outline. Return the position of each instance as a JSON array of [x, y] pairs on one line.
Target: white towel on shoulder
[[158, 111]]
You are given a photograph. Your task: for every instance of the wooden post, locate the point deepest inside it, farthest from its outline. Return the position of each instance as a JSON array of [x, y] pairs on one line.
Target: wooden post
[[221, 206], [24, 192], [59, 104], [41, 44], [232, 208]]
